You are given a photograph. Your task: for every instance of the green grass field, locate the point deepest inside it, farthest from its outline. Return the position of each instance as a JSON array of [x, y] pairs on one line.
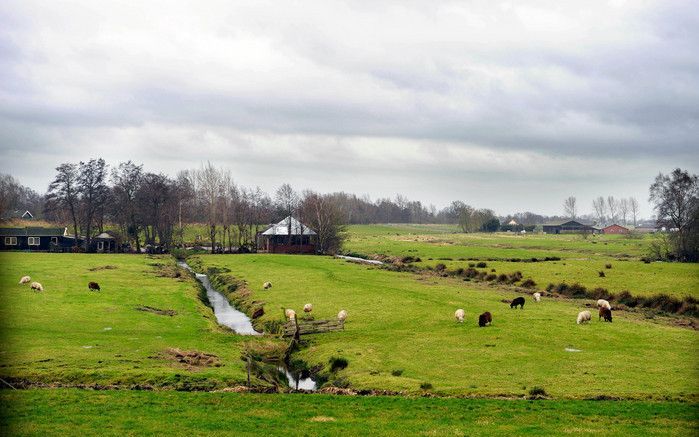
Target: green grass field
[[581, 259], [70, 335], [403, 321], [117, 413]]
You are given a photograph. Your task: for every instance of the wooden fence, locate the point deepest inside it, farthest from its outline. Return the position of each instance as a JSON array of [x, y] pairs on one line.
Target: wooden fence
[[296, 328]]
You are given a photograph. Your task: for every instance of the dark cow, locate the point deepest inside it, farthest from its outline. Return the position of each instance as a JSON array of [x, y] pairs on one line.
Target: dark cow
[[605, 313], [517, 301], [484, 319], [93, 286]]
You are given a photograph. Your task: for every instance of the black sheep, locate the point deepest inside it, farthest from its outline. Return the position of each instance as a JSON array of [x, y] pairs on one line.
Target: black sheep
[[606, 313], [517, 301], [93, 286], [484, 319]]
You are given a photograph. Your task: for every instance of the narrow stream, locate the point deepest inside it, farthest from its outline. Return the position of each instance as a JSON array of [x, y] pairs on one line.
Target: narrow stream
[[240, 323]]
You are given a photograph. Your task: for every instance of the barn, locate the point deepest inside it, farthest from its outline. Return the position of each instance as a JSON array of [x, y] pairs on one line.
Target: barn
[[276, 238], [35, 239], [569, 227], [615, 229]]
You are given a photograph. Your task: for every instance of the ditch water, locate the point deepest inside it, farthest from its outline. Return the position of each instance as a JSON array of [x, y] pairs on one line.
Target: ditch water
[[227, 315]]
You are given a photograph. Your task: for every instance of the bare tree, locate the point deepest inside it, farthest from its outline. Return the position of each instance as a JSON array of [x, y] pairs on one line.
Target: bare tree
[[613, 207], [570, 207], [624, 209], [322, 214], [676, 202], [209, 188], [600, 208], [92, 185], [633, 205], [127, 179], [63, 191], [287, 200]]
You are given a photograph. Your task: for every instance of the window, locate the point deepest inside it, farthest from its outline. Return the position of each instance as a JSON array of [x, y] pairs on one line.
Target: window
[[54, 240], [100, 245], [10, 241], [33, 241]]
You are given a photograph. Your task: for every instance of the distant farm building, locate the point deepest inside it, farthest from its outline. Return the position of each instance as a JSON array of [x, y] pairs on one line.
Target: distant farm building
[[569, 227], [512, 222], [615, 229], [19, 215], [276, 238], [104, 243], [36, 239]]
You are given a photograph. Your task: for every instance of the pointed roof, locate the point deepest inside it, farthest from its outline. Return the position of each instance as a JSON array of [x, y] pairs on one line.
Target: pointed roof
[[282, 228]]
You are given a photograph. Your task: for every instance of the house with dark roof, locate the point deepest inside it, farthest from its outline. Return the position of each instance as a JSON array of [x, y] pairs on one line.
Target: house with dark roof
[[19, 215], [276, 238], [569, 227], [36, 239]]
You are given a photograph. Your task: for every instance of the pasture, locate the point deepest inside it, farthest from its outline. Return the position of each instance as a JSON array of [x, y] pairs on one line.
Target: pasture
[[581, 258], [401, 334]]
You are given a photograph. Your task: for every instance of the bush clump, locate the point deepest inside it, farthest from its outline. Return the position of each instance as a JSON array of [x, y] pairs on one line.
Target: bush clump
[[528, 283], [338, 363], [537, 391], [426, 386], [440, 267], [601, 274], [608, 266], [397, 372], [482, 265]]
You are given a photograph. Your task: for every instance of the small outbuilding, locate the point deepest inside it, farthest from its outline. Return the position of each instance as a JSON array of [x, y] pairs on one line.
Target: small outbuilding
[[104, 243], [615, 229], [569, 227], [276, 238]]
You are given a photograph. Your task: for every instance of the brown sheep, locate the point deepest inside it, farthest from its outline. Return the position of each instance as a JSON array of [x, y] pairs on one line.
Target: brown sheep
[[485, 319], [93, 286], [605, 313]]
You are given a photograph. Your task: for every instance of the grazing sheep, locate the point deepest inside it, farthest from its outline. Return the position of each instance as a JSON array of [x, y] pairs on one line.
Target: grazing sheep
[[290, 314], [606, 313], [537, 297], [603, 304], [25, 280], [93, 286], [517, 301], [584, 316], [308, 308], [459, 315], [342, 315], [267, 285], [36, 286], [485, 319]]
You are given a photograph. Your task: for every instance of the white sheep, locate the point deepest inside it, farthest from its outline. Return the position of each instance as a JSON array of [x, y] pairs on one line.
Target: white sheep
[[459, 315], [36, 286], [537, 297], [290, 314], [267, 285], [308, 308], [342, 315], [584, 316], [24, 280], [603, 304]]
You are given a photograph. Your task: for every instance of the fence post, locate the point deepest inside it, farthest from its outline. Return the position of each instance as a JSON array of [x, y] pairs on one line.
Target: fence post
[[249, 365]]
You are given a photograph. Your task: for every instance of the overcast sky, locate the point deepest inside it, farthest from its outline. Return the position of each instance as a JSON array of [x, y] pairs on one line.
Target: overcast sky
[[508, 105]]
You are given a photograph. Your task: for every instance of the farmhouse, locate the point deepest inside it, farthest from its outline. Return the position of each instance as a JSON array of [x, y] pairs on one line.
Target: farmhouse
[[569, 227], [615, 229], [35, 239], [276, 238]]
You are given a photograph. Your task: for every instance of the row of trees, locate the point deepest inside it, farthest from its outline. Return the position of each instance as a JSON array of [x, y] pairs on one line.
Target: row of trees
[[606, 210], [15, 196]]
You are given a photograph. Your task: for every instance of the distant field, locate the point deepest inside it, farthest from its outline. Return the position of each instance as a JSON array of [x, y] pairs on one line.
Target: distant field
[[581, 259], [70, 335], [117, 413], [404, 322]]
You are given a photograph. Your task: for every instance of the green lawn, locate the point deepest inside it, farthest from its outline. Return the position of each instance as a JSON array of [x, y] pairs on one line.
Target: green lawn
[[75, 412], [581, 259], [403, 321], [70, 335]]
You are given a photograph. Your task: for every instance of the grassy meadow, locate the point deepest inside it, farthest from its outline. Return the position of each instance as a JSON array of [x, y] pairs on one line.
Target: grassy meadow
[[400, 336], [70, 335], [118, 413], [581, 258]]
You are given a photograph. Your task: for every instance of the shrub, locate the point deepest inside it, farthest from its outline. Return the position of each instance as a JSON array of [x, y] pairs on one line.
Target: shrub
[[503, 277], [528, 283], [426, 386], [600, 293], [444, 259], [472, 265], [491, 277], [481, 265], [440, 266], [338, 363], [608, 266], [397, 372], [537, 391], [601, 274], [492, 270]]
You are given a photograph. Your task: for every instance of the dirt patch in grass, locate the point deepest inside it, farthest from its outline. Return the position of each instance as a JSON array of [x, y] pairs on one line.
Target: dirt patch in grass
[[158, 311], [193, 359], [107, 267], [322, 419]]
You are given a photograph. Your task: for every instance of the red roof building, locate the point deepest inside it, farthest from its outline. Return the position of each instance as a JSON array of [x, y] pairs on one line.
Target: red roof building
[[615, 229]]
